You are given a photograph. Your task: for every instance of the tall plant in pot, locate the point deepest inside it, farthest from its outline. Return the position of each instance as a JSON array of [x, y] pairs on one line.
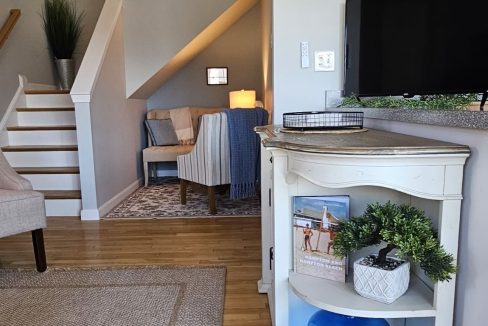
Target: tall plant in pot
[[402, 227], [62, 25]]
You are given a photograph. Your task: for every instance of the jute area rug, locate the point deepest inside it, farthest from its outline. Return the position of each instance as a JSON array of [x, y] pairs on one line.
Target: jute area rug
[[113, 296], [161, 199]]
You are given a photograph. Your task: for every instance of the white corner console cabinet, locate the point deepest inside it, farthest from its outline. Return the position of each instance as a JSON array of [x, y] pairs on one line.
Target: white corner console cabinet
[[369, 166]]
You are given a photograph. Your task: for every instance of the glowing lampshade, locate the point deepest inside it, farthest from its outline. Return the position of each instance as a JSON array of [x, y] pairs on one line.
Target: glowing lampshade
[[242, 99]]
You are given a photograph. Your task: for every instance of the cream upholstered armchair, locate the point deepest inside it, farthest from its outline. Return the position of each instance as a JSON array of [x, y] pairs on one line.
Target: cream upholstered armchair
[[21, 210], [209, 162], [168, 152]]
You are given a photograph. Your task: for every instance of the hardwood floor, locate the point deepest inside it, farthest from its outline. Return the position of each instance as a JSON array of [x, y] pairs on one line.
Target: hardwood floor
[[233, 242]]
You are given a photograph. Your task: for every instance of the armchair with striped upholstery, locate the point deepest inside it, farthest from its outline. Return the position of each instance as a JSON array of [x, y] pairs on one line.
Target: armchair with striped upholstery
[[209, 162]]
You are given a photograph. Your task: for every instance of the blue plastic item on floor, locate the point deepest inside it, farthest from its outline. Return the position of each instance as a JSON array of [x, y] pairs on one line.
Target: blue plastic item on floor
[[327, 318]]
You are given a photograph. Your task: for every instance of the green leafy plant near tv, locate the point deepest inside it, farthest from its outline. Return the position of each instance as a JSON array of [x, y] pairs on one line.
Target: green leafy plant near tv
[[432, 102], [62, 25], [401, 227]]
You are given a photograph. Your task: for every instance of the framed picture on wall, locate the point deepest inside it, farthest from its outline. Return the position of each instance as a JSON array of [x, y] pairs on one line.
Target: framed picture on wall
[[217, 76]]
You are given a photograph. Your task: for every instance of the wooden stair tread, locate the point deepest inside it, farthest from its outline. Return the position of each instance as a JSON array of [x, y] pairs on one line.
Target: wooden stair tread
[[46, 91], [68, 109], [40, 148], [48, 170], [40, 128], [61, 194]]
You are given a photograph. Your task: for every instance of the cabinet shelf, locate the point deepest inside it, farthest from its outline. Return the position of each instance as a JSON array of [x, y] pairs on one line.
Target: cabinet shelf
[[341, 298]]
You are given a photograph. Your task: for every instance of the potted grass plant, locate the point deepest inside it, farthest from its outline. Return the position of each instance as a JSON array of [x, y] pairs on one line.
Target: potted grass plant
[[402, 227], [62, 25]]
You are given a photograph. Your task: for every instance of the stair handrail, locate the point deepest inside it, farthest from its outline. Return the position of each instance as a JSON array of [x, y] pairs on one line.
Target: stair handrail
[[92, 62], [9, 25]]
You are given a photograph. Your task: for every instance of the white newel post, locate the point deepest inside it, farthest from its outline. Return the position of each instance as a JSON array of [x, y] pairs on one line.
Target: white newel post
[[88, 185], [81, 94]]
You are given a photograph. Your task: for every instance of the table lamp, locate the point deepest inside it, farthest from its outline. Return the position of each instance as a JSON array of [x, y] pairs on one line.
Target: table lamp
[[243, 99]]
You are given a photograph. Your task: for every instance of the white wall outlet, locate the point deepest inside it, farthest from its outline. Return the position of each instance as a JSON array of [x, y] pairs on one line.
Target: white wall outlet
[[324, 61], [305, 60]]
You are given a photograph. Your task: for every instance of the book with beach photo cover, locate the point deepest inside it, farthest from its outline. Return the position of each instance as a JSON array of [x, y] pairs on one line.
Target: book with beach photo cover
[[314, 221]]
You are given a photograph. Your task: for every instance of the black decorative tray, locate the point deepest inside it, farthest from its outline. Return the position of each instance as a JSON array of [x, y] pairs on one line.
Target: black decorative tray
[[323, 120]]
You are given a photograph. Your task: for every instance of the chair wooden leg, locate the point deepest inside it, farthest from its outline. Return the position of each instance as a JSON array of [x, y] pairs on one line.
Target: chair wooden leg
[[212, 206], [39, 252], [183, 184], [154, 169], [146, 173]]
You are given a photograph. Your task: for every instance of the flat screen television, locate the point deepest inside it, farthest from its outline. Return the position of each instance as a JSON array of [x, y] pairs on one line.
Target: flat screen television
[[416, 47]]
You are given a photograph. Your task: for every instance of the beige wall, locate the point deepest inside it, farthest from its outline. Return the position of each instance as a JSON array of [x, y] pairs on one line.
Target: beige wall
[[239, 49], [321, 23], [117, 125], [156, 30], [26, 52]]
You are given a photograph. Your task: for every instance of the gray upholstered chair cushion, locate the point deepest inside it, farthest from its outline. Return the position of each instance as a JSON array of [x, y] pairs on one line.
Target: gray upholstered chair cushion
[[161, 132], [21, 211]]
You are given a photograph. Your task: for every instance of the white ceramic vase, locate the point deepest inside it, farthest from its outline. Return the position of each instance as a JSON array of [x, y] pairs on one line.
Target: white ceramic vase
[[381, 285]]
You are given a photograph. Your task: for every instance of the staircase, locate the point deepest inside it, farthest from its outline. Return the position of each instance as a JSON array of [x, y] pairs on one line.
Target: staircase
[[42, 147]]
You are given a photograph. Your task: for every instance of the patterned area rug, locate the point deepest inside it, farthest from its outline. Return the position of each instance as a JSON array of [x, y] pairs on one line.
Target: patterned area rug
[[161, 199], [113, 296]]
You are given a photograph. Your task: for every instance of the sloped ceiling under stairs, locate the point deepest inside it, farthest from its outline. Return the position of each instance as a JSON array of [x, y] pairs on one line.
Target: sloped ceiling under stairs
[[163, 36]]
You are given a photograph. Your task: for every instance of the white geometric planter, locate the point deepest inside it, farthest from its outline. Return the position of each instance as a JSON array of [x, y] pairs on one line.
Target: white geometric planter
[[381, 285]]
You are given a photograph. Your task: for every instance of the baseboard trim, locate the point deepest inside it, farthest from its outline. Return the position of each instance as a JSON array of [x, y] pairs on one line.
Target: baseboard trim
[[117, 199], [90, 215], [263, 287]]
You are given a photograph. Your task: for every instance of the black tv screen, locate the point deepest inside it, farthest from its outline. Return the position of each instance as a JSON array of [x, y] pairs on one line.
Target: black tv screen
[[416, 47]]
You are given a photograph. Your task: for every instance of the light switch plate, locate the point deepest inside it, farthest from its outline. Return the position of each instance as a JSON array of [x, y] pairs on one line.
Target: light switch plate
[[324, 61], [304, 58]]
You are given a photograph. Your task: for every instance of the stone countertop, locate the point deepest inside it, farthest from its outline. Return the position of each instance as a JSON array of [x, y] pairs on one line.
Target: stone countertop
[[370, 142], [445, 118]]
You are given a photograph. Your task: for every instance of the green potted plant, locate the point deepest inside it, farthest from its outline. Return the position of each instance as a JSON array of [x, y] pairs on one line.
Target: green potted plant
[[402, 227], [62, 25], [427, 102]]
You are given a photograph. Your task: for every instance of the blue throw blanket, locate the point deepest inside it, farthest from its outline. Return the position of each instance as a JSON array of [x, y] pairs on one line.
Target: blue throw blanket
[[245, 158]]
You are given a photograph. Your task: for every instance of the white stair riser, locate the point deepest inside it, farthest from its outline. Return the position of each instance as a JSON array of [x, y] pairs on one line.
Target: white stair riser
[[54, 207], [63, 207], [42, 159], [42, 137], [54, 181], [48, 100], [46, 118]]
